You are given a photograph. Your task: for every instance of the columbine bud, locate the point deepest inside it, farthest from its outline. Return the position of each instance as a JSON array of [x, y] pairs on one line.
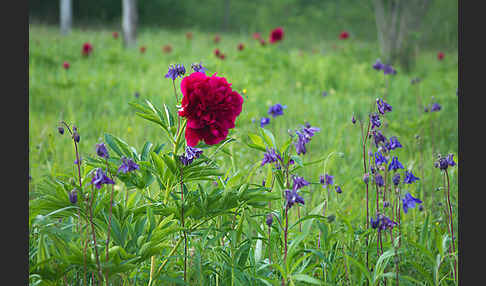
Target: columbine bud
[[269, 220], [421, 208], [73, 196], [61, 130], [76, 137], [353, 120], [386, 204], [338, 189], [366, 178]]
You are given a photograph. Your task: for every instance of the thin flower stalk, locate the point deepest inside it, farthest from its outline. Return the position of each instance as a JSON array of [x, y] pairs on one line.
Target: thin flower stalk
[[451, 225]]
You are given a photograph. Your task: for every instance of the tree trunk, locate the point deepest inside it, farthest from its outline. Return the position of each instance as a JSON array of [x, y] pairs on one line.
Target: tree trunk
[[226, 16], [66, 15], [129, 23], [396, 21]]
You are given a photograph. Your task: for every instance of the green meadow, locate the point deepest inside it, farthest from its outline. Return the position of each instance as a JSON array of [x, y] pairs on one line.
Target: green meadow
[[95, 92]]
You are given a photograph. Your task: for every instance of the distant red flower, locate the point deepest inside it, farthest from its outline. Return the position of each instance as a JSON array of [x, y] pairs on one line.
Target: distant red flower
[[257, 36], [276, 35], [142, 49], [344, 35], [241, 46], [189, 35], [440, 56], [217, 52], [222, 56], [262, 42], [65, 65], [210, 106], [217, 38], [87, 49], [115, 35], [167, 49]]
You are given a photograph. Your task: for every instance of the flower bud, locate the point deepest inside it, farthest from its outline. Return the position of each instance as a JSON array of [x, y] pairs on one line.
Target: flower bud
[[76, 137], [269, 220], [366, 178], [61, 130], [73, 196]]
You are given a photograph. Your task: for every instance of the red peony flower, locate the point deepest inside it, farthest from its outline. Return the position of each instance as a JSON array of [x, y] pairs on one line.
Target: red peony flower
[[65, 65], [222, 56], [276, 35], [87, 49], [115, 35], [217, 38], [210, 106], [217, 52], [440, 56], [344, 35], [142, 49], [189, 35], [241, 46], [167, 49], [256, 36]]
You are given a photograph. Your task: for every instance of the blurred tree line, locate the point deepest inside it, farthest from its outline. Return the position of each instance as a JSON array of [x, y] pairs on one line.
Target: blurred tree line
[[324, 18]]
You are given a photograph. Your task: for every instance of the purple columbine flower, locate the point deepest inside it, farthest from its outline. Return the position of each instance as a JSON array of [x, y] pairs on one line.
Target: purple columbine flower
[[299, 182], [435, 107], [73, 196], [378, 65], [137, 94], [379, 180], [326, 180], [193, 153], [450, 160], [444, 162], [409, 178], [409, 202], [175, 72], [395, 164], [379, 158], [375, 223], [269, 220], [388, 69], [375, 120], [198, 68], [190, 154], [383, 107], [324, 93], [100, 178], [309, 131], [338, 189], [353, 120], [128, 165], [396, 179], [276, 110], [270, 156], [300, 144], [293, 197], [378, 137], [264, 121], [102, 151], [393, 143], [386, 223]]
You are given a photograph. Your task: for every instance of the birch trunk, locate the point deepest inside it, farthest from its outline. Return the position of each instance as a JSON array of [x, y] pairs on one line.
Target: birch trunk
[[129, 23], [396, 20], [66, 16]]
